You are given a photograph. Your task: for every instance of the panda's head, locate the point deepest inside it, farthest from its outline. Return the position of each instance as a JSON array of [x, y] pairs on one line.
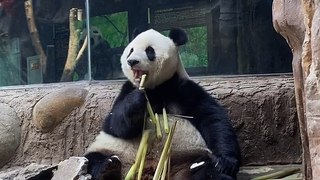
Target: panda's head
[[153, 54]]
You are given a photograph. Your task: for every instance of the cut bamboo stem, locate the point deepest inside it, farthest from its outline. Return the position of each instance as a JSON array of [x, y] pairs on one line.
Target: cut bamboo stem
[[143, 159], [279, 174], [158, 127], [164, 153], [151, 113], [143, 79], [165, 120], [131, 174]]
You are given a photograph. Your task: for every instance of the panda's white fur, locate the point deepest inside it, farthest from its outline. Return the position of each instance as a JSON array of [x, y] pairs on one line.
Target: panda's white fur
[[166, 53], [183, 149]]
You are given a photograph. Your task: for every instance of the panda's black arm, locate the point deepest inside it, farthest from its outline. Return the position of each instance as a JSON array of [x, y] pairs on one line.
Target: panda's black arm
[[212, 121], [126, 117]]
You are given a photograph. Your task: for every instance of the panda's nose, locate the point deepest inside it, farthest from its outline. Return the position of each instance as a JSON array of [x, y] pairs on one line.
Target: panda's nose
[[132, 62]]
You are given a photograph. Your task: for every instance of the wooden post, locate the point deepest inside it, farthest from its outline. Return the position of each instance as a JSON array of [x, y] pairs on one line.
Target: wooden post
[[74, 54], [28, 4]]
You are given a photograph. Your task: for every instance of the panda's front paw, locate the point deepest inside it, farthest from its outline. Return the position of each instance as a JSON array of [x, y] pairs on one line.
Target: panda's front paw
[[136, 104], [102, 166], [209, 168], [111, 168]]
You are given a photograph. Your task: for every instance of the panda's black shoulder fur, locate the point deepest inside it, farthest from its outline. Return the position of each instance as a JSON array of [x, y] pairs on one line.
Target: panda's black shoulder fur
[[209, 117]]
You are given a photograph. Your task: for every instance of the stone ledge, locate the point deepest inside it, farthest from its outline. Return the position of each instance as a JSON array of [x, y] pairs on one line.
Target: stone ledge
[[262, 109]]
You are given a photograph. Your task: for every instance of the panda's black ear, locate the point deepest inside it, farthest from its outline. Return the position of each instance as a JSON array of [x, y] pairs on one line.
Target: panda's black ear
[[178, 36]]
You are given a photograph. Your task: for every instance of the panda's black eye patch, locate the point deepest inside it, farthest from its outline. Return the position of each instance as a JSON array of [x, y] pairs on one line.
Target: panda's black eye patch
[[150, 53], [131, 51]]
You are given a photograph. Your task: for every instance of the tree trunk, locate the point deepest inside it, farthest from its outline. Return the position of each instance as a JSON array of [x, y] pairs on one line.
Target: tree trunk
[[73, 57], [35, 35]]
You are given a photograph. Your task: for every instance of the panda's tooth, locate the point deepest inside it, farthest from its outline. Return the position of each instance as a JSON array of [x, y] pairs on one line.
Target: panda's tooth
[[134, 73]]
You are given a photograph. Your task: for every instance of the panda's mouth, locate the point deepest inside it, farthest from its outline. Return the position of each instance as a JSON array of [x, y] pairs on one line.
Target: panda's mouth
[[137, 74]]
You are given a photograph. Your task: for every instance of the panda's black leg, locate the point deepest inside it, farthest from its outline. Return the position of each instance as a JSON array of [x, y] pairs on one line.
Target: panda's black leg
[[205, 171], [209, 168], [102, 167]]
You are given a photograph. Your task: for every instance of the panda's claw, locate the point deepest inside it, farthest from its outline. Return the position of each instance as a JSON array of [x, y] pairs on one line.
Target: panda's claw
[[115, 156], [113, 163]]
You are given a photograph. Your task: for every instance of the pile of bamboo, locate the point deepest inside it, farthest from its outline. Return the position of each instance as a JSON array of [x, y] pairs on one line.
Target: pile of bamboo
[[162, 171]]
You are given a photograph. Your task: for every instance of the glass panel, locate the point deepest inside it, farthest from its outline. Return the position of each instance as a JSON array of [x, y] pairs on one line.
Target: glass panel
[[109, 36], [34, 42], [225, 36]]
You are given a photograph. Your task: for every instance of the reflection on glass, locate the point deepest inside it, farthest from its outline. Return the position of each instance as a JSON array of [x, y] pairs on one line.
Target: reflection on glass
[[39, 43], [225, 37], [109, 35]]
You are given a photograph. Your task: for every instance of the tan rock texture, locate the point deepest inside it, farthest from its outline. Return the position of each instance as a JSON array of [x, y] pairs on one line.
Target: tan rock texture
[[54, 107], [304, 41], [9, 133], [262, 110], [312, 95], [288, 20]]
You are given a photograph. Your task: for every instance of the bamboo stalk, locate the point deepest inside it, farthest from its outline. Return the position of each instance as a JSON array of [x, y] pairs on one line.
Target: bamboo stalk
[[169, 165], [164, 153], [150, 111], [158, 127], [149, 108], [131, 174], [278, 174], [143, 79], [165, 169], [165, 120], [143, 158]]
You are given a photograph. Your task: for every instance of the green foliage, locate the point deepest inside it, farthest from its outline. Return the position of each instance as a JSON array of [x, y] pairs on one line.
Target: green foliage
[[194, 53], [114, 28]]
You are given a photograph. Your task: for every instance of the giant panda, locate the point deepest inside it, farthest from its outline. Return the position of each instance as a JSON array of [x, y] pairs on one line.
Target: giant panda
[[214, 152]]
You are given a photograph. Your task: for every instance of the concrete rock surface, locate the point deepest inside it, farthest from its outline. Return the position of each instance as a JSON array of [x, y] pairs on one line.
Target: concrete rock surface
[[9, 133], [54, 107], [72, 169], [33, 171]]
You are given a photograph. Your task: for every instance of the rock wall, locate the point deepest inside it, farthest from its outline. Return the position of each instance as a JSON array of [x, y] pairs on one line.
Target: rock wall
[[298, 22], [262, 110], [288, 20]]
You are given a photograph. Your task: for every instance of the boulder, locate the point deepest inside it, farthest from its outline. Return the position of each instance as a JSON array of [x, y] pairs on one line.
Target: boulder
[[31, 172], [71, 169], [54, 107], [9, 133]]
